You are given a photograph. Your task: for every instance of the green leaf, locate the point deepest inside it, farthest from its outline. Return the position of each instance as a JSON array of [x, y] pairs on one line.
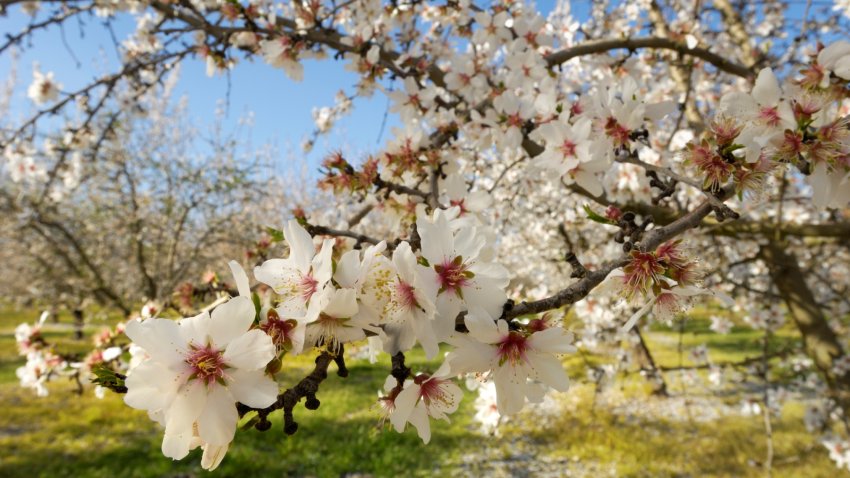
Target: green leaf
[[276, 234], [596, 217], [106, 377], [257, 306]]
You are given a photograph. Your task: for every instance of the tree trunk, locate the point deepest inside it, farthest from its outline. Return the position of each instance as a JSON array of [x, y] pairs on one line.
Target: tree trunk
[[78, 323], [820, 340], [648, 366]]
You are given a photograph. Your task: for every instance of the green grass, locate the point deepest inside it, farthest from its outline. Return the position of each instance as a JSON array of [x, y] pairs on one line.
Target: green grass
[[81, 436]]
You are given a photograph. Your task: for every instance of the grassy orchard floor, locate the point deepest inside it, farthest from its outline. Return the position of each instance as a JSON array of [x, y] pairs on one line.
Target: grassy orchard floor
[[68, 435]]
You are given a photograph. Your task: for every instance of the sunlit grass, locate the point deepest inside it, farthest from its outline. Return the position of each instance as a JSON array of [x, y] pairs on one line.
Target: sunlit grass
[[69, 435]]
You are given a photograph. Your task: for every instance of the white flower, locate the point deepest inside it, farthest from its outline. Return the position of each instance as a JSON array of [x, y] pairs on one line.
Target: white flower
[[43, 88], [434, 396], [566, 145], [513, 357], [411, 101], [198, 368], [768, 116], [463, 280], [35, 373], [830, 186], [486, 408], [720, 325], [337, 323], [281, 53], [839, 451], [287, 333], [399, 295], [836, 57], [298, 278]]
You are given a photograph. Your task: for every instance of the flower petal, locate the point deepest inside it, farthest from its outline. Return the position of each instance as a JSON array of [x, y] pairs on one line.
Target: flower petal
[[404, 404], [510, 388], [217, 423], [552, 340], [151, 386], [549, 370], [481, 326], [766, 90], [252, 350], [252, 387], [241, 279], [213, 454], [160, 338], [231, 319]]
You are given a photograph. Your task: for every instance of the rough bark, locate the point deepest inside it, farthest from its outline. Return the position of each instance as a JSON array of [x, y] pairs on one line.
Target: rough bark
[[820, 341]]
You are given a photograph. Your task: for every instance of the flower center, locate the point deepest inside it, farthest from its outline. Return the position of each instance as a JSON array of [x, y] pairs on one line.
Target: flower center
[[514, 120], [460, 204], [278, 329], [431, 390], [512, 348], [769, 116], [453, 276], [207, 364], [406, 295], [568, 149], [307, 287], [616, 131]]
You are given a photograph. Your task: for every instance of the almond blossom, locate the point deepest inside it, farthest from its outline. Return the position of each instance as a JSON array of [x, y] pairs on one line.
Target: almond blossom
[[463, 281], [197, 369], [511, 357], [399, 296], [566, 145], [298, 278], [43, 88], [434, 396]]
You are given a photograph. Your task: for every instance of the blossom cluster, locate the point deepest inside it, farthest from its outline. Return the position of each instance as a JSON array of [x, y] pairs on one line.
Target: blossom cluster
[[197, 369]]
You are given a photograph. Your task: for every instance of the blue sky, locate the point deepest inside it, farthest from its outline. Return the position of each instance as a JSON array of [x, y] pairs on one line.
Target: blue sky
[[282, 108]]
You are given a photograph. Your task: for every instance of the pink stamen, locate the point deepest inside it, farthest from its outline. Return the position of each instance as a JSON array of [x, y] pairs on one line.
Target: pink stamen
[[207, 364], [769, 116], [308, 286], [513, 347], [568, 149], [406, 294], [452, 275]]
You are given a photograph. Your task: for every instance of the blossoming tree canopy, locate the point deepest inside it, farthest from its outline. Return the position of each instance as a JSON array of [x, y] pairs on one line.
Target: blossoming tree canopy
[[551, 172]]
